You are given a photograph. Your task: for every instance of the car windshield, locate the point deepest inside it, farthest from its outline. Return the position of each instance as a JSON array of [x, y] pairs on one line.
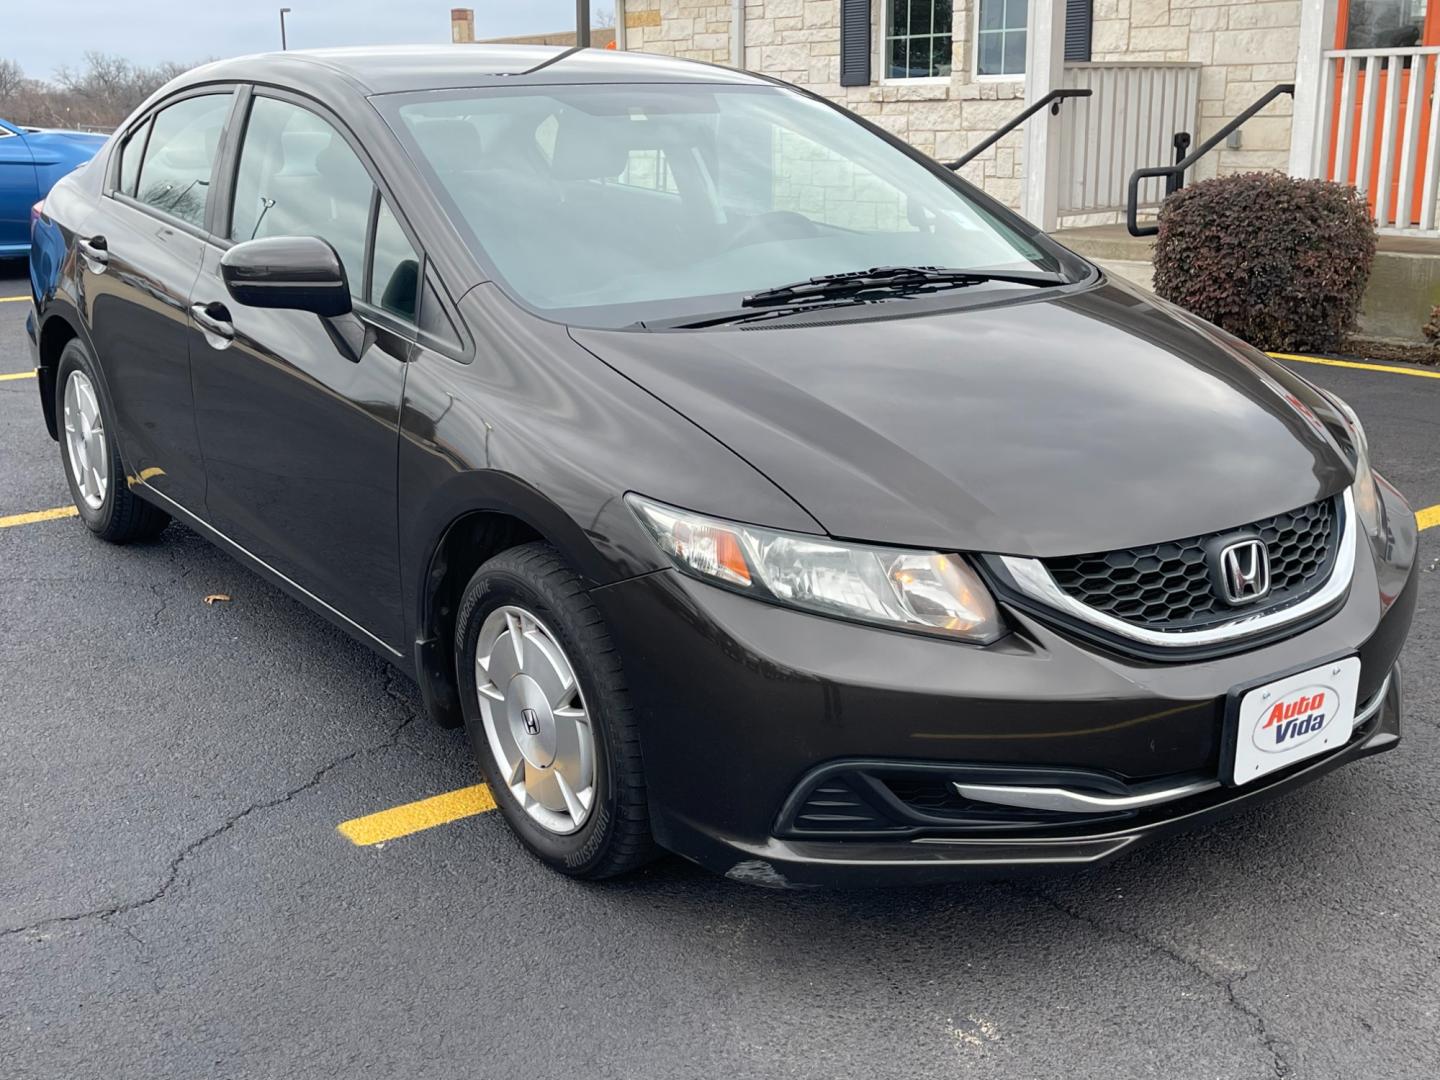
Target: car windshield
[[610, 204]]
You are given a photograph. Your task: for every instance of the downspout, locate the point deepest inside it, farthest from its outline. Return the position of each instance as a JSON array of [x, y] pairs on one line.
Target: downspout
[[620, 42], [737, 34]]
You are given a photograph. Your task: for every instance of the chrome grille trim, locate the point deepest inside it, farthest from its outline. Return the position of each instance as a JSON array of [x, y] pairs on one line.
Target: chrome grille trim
[[1033, 579]]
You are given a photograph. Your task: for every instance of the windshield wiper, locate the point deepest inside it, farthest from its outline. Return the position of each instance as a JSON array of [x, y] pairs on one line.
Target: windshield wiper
[[745, 315], [889, 281]]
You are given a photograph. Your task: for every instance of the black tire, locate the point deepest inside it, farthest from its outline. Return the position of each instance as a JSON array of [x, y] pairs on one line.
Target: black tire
[[616, 837], [122, 517]]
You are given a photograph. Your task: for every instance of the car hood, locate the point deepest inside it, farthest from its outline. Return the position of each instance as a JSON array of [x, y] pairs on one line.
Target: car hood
[[84, 138], [1076, 423]]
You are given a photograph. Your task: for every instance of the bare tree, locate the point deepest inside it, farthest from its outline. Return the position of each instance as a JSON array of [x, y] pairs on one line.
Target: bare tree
[[603, 18], [99, 94], [12, 78]]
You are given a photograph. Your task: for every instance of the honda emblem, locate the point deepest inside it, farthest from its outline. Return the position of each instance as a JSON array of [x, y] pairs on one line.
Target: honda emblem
[[1244, 572]]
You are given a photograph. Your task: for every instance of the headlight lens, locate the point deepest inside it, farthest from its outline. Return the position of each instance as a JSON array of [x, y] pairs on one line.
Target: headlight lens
[[1367, 495], [914, 590]]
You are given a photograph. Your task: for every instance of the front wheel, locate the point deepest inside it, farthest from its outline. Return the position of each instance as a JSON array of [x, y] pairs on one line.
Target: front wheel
[[549, 716], [92, 460]]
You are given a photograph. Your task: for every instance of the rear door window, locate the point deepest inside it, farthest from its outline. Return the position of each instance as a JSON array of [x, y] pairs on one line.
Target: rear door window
[[299, 177], [174, 177]]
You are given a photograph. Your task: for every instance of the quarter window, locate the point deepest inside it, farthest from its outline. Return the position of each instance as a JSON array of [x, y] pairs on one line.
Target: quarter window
[[1000, 37], [175, 175], [130, 159], [299, 177], [918, 38], [395, 278]]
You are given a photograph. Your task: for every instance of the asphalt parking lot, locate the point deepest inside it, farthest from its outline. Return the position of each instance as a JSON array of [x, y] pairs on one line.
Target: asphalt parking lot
[[177, 898]]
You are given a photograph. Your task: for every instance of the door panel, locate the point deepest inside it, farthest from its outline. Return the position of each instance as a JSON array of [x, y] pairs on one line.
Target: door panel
[[139, 321], [300, 443], [18, 191], [140, 254]]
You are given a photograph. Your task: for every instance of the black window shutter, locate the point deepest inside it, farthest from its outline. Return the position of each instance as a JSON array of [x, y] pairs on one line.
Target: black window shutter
[[854, 42], [1078, 14]]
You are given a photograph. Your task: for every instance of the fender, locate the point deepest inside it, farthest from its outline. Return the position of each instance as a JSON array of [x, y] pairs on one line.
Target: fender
[[61, 308], [520, 512]]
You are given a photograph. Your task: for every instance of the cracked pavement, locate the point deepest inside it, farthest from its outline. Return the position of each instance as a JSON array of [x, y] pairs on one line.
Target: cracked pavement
[[175, 901]]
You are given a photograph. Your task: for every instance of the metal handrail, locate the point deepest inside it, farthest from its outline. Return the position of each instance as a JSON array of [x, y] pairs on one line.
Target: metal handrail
[[1053, 99], [1175, 174]]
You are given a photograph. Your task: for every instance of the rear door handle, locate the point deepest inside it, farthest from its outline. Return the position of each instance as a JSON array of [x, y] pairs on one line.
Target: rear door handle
[[214, 319], [96, 252]]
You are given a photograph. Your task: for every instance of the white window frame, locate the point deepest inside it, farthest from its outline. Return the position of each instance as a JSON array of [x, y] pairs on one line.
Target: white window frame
[[883, 57], [975, 48]]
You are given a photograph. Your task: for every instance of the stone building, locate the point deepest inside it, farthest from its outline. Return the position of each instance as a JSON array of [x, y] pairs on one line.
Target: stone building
[[945, 74]]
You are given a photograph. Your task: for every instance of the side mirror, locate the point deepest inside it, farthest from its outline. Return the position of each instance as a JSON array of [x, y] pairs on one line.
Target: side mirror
[[302, 273]]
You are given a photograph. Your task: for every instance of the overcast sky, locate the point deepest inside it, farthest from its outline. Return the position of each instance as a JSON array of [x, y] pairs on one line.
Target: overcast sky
[[43, 36]]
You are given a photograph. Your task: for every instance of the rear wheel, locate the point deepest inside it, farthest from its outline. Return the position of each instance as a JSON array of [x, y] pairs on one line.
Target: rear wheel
[[93, 467], [549, 716]]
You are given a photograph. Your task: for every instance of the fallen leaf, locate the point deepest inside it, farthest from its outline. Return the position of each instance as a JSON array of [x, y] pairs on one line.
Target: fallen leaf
[[217, 598]]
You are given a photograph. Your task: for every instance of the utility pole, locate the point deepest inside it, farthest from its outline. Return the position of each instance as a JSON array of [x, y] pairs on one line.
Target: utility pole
[[582, 23], [283, 12]]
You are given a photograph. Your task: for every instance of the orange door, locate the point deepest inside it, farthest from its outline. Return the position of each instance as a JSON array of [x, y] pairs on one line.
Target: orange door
[[1384, 24]]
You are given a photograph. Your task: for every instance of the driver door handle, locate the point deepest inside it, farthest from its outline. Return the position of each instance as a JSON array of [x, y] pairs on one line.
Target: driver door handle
[[96, 252], [214, 319]]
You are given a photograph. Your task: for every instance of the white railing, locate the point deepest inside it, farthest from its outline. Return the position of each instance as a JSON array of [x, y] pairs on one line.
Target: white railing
[[1379, 130], [1127, 123]]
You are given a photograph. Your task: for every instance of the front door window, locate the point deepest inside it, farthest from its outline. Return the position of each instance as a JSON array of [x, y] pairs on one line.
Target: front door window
[[299, 177]]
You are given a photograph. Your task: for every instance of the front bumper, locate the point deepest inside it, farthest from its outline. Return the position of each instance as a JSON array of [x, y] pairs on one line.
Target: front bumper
[[742, 703]]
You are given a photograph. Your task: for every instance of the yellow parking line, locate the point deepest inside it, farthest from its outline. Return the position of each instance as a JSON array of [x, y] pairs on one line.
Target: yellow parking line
[[12, 299], [1429, 517], [417, 816], [37, 516], [17, 375], [1388, 368]]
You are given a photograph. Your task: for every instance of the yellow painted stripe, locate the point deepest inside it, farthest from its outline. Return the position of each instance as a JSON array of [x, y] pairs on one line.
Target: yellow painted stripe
[[17, 375], [38, 516], [1429, 517], [1388, 368], [12, 299], [417, 816]]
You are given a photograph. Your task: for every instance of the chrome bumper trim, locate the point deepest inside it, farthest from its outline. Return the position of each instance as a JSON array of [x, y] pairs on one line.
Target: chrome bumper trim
[[1033, 579], [1069, 801]]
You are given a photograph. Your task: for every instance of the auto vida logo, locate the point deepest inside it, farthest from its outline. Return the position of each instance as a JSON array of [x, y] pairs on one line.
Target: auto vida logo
[[1295, 719]]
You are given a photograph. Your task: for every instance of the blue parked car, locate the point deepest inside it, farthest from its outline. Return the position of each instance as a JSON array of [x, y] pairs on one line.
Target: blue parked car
[[31, 160]]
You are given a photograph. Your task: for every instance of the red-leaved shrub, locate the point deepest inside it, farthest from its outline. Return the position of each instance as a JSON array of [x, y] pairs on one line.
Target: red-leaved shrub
[[1279, 262]]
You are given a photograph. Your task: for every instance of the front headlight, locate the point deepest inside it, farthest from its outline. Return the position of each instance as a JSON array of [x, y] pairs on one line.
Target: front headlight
[[1367, 495], [912, 590]]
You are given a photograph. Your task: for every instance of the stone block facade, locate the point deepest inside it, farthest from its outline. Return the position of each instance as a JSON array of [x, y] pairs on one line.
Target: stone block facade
[[1243, 49], [799, 41]]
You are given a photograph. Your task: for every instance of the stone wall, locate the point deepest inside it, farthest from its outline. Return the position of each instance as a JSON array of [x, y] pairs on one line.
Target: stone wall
[[691, 28], [799, 41]]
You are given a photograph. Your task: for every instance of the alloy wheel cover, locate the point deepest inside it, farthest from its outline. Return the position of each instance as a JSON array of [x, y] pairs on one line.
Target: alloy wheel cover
[[536, 720]]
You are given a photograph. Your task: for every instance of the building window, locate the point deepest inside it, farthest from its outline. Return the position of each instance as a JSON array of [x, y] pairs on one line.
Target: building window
[[1000, 37], [918, 38]]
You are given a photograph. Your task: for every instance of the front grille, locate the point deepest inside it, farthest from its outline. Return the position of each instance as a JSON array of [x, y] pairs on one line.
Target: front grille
[[1168, 586]]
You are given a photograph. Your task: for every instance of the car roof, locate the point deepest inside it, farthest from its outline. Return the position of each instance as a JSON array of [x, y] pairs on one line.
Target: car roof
[[399, 68]]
